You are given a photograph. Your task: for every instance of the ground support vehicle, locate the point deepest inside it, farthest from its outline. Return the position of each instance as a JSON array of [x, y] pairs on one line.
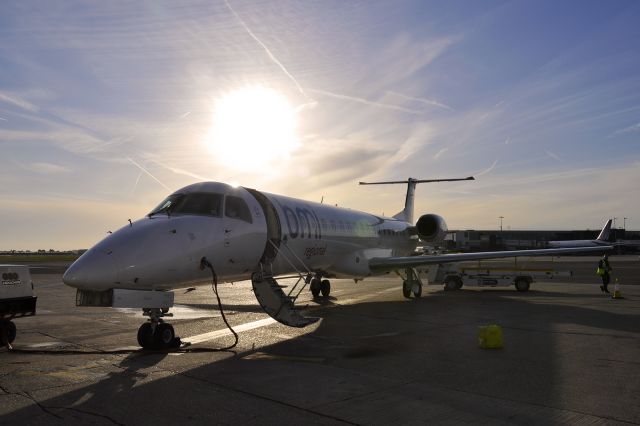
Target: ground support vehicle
[[16, 299], [455, 276]]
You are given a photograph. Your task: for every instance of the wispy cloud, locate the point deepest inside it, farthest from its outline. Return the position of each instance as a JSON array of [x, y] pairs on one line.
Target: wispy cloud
[[365, 101], [552, 155], [429, 102], [631, 129], [439, 153], [18, 101], [48, 168]]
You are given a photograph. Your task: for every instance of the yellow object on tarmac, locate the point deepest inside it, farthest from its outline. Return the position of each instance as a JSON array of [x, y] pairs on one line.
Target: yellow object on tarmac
[[616, 291], [490, 336]]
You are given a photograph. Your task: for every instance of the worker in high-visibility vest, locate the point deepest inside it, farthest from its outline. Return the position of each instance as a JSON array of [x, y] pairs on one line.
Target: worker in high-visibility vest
[[604, 269]]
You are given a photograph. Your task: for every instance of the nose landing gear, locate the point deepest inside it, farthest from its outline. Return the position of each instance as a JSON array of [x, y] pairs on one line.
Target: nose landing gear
[[157, 334]]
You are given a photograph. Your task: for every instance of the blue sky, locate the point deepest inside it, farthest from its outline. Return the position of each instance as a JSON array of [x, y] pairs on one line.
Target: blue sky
[[106, 108]]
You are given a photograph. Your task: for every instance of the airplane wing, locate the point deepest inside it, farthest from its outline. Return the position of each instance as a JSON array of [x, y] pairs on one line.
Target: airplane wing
[[380, 264]]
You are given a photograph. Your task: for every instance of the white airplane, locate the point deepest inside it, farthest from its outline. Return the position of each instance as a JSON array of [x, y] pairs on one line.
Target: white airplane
[[241, 233], [601, 241]]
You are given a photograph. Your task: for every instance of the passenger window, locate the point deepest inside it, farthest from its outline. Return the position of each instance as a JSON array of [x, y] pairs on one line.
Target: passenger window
[[236, 208]]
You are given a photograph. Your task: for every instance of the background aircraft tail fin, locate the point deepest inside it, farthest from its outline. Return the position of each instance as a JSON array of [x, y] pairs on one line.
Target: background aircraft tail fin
[[605, 234]]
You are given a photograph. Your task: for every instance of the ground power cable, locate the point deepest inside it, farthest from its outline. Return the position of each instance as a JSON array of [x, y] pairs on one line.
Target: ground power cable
[[184, 348]]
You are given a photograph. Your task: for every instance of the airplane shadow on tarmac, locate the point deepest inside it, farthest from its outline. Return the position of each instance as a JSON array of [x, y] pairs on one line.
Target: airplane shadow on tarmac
[[381, 362]]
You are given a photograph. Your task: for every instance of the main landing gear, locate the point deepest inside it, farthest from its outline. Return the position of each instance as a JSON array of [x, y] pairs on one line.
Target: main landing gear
[[317, 286], [412, 284], [157, 334]]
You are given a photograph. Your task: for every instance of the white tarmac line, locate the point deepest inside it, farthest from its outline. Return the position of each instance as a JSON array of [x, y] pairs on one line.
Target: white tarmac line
[[200, 338]]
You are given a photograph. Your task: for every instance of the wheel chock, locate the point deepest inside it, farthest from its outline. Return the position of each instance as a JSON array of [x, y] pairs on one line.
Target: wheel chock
[[490, 336]]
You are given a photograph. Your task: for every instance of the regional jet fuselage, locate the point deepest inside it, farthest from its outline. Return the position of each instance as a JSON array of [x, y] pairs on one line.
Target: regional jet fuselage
[[240, 233]]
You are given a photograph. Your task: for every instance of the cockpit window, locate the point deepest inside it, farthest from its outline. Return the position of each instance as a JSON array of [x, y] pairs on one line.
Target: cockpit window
[[199, 203], [236, 208]]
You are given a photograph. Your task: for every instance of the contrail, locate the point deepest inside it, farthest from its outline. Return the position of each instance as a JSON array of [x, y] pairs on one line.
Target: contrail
[[365, 101], [147, 172], [490, 169], [266, 49], [135, 185], [181, 171], [429, 102]]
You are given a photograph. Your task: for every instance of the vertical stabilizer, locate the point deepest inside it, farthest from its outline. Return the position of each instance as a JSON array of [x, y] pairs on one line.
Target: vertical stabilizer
[[407, 213], [606, 232]]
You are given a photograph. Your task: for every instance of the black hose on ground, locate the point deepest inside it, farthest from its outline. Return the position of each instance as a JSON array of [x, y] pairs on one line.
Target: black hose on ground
[[214, 286]]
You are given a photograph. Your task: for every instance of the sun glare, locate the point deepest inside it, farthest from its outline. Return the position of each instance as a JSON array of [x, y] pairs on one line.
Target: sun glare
[[253, 127]]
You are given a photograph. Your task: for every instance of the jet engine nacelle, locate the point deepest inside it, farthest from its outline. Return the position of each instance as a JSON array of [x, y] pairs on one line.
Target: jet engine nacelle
[[431, 228]]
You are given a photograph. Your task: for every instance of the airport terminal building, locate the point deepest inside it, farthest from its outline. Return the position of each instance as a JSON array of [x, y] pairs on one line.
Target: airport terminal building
[[486, 240]]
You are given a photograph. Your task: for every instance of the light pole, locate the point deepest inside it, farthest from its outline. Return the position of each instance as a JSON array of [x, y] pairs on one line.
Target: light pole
[[614, 222], [624, 226], [500, 217]]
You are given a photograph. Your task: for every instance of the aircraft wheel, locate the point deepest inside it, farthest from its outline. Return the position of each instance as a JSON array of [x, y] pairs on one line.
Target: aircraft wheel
[[522, 284], [417, 290], [315, 287], [10, 328], [145, 335], [452, 283], [406, 291], [164, 335], [325, 288]]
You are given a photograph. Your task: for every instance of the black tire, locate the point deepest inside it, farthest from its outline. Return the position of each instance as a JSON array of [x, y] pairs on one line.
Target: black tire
[[418, 293], [522, 284], [164, 335], [145, 335], [10, 329], [325, 288], [452, 283], [406, 291], [315, 287]]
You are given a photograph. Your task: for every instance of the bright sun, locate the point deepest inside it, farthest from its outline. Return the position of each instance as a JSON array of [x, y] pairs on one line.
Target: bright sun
[[253, 127]]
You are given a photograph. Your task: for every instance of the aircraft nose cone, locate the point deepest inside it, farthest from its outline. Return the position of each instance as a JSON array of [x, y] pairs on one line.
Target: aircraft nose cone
[[93, 270]]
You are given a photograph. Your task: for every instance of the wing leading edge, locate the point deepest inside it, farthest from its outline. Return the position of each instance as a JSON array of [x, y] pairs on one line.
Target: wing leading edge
[[380, 264]]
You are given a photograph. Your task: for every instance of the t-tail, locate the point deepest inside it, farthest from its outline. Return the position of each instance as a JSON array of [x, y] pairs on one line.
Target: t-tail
[[407, 213]]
